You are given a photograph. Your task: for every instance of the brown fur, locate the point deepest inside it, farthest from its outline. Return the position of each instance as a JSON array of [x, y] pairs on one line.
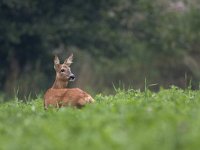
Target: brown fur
[[58, 95]]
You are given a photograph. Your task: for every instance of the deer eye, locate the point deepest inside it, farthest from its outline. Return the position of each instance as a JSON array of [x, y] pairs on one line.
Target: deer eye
[[62, 70]]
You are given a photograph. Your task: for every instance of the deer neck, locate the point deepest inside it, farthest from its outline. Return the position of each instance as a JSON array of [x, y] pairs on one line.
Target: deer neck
[[59, 84]]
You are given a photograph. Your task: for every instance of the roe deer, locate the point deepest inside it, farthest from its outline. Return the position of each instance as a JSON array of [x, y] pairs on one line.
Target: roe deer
[[58, 95]]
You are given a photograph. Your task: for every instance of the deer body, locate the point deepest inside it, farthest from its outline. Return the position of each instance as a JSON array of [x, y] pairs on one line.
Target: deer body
[[66, 97], [58, 95]]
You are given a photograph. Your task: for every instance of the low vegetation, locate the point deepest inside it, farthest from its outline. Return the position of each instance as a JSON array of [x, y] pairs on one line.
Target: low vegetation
[[127, 120]]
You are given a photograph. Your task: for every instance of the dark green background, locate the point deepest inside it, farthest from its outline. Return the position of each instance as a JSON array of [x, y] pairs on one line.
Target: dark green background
[[115, 42]]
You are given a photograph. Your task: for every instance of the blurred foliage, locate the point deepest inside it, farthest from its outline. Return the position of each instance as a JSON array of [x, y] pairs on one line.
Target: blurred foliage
[[126, 120], [113, 41]]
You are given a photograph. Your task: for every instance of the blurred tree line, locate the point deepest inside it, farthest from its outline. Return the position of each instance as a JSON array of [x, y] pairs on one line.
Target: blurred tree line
[[113, 41]]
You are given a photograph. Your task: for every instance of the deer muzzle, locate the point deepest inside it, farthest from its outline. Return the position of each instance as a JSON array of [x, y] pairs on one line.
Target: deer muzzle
[[72, 77]]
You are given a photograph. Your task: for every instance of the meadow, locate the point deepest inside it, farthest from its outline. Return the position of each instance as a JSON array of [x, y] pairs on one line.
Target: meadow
[[127, 120]]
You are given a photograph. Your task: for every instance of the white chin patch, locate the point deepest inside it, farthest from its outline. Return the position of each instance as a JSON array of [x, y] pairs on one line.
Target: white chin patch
[[72, 79]]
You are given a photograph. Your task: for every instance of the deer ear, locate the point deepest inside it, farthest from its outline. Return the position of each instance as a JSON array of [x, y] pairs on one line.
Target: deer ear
[[68, 61], [56, 62]]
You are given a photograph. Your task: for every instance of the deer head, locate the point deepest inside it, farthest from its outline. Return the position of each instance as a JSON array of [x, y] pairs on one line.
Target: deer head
[[63, 72]]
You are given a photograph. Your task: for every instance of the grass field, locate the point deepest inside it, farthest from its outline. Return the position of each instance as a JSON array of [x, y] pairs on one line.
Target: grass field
[[128, 120]]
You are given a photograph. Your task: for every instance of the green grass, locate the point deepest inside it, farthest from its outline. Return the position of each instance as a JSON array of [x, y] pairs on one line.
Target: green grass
[[128, 120]]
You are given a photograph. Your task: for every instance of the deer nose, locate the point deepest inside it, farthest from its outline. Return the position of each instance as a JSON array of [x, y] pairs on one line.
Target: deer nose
[[72, 77]]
